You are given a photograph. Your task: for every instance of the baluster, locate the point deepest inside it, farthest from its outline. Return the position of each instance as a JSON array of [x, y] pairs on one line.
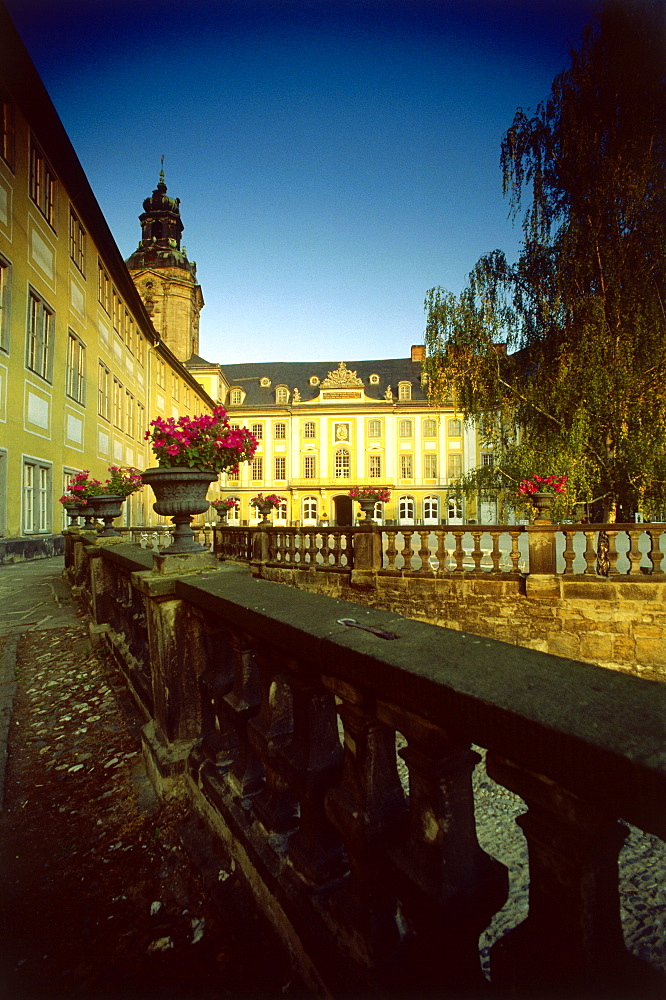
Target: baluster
[[441, 554], [325, 550], [309, 764], [590, 554], [366, 807], [242, 703], [289, 548], [336, 548], [424, 554], [348, 550], [449, 887], [496, 553], [572, 937], [459, 552], [514, 555], [219, 745], [407, 551], [655, 553], [269, 732], [634, 555], [477, 552], [569, 550], [611, 535], [391, 551]]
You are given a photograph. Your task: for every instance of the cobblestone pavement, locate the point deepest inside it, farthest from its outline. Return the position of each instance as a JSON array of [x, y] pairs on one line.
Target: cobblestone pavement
[[100, 899]]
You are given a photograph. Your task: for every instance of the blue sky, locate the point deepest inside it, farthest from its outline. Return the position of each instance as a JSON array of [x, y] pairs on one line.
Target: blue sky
[[335, 159]]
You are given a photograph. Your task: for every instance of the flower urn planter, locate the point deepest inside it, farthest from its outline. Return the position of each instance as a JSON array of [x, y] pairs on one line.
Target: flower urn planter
[[107, 507], [368, 508], [180, 493], [265, 509], [88, 515], [542, 503], [72, 511]]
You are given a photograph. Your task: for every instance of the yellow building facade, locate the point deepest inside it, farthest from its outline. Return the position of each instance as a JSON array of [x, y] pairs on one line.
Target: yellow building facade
[[82, 368]]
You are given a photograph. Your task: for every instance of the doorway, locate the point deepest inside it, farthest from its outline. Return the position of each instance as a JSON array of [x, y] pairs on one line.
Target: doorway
[[343, 510]]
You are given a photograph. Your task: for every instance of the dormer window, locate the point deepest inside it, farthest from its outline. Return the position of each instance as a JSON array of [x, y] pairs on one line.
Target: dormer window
[[374, 380], [404, 390], [235, 397], [314, 380], [282, 394], [264, 382]]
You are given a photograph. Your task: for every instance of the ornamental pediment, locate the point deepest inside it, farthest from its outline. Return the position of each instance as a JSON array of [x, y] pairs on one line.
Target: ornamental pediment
[[342, 378]]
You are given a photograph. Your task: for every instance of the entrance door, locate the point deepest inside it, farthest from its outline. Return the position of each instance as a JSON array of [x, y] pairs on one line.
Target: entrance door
[[343, 510]]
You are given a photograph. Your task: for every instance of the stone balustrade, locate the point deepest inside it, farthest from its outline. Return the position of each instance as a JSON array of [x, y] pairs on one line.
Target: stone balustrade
[[281, 727]]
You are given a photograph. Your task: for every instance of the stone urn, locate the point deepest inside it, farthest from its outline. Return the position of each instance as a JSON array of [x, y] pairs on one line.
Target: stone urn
[[88, 515], [180, 493], [265, 509], [368, 508], [72, 511], [222, 514], [542, 502], [107, 507]]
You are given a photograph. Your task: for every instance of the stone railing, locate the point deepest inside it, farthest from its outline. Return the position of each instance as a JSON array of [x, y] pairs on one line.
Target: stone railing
[[335, 763]]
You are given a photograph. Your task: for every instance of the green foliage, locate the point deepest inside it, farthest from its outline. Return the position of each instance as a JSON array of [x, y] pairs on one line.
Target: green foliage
[[566, 348]]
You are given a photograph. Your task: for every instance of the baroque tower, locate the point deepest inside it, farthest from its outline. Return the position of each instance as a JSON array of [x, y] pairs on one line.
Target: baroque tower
[[164, 277]]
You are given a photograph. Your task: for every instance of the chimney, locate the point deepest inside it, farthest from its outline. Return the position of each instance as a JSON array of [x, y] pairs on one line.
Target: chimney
[[418, 352]]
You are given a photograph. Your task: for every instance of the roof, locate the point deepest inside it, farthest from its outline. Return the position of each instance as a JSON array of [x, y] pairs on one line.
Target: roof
[[297, 375]]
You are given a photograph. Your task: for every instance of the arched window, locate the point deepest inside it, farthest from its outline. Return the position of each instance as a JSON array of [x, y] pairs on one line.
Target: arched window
[[281, 511], [406, 510], [404, 390], [455, 510], [236, 397], [405, 429], [429, 428], [234, 512], [309, 510], [282, 394], [431, 509], [342, 463]]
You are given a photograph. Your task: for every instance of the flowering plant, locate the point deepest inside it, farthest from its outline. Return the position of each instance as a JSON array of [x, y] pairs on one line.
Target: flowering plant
[[542, 484], [121, 482], [377, 493], [261, 501], [228, 503], [204, 442]]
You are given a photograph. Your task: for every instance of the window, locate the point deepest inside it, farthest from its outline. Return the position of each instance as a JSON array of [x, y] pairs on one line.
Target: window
[[141, 426], [281, 511], [235, 397], [233, 475], [42, 183], [406, 508], [404, 390], [406, 466], [374, 428], [487, 459], [375, 467], [40, 337], [5, 275], [103, 287], [116, 312], [36, 496], [197, 406], [455, 428], [8, 130], [258, 431], [309, 467], [429, 428], [175, 387], [455, 509], [140, 347], [280, 432], [374, 380], [282, 394], [280, 468], [309, 429], [188, 397], [342, 463], [129, 414], [103, 385], [431, 508], [430, 466], [75, 370], [77, 241], [454, 466], [118, 404], [314, 380], [160, 373], [257, 468], [265, 382], [405, 429], [309, 509], [234, 512]]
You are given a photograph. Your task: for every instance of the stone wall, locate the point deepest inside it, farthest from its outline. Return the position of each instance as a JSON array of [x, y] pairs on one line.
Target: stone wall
[[24, 549], [618, 623]]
